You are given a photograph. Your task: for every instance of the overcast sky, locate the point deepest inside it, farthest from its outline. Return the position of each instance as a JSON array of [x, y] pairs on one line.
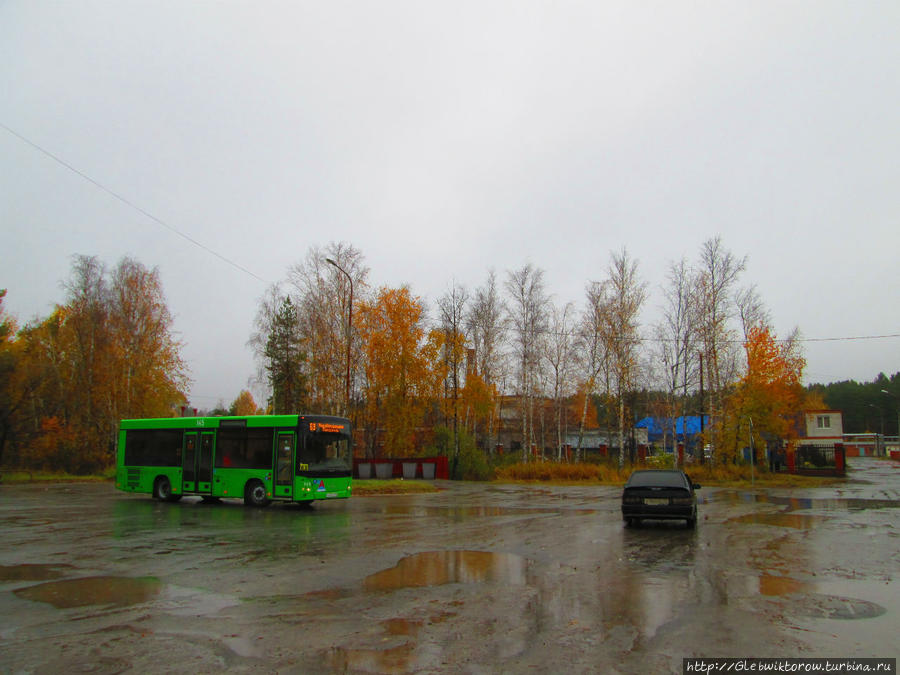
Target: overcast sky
[[443, 139]]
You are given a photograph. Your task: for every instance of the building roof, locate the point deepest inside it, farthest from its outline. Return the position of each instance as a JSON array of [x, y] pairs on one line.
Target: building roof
[[654, 425]]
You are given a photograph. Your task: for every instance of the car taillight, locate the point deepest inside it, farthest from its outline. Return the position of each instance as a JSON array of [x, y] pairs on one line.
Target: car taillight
[[682, 501], [632, 500]]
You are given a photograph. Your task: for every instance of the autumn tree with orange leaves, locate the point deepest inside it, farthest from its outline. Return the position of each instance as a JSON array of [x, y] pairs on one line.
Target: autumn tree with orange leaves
[[403, 369], [244, 404], [770, 395], [108, 353]]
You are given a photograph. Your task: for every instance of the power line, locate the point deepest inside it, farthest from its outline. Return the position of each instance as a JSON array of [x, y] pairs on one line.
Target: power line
[[131, 204], [851, 339], [640, 338], [243, 269]]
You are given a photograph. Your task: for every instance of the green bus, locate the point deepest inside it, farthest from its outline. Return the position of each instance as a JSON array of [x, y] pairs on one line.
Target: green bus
[[290, 458]]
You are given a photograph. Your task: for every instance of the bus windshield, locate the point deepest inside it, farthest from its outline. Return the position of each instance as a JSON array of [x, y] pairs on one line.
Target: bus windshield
[[324, 452]]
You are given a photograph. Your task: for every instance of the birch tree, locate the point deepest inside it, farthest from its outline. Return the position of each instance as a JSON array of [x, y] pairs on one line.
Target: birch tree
[[627, 295], [527, 315], [559, 352], [717, 274], [593, 347], [676, 334], [322, 295], [485, 325]]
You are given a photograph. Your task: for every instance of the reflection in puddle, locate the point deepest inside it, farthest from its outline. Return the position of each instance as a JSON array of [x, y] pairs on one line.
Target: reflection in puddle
[[31, 572], [106, 591], [393, 655], [796, 520], [401, 627], [458, 513], [772, 585], [390, 660], [434, 568]]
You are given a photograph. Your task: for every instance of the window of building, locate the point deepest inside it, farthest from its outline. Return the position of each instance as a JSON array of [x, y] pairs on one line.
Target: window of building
[[823, 421]]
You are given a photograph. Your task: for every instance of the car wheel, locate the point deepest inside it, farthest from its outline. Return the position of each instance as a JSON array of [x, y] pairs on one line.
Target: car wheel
[[255, 494], [691, 523]]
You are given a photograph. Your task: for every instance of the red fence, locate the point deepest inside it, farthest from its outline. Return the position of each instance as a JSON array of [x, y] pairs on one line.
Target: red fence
[[817, 460], [426, 468]]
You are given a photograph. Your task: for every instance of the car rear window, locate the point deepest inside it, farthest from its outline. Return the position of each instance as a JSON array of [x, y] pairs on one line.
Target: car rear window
[[656, 479]]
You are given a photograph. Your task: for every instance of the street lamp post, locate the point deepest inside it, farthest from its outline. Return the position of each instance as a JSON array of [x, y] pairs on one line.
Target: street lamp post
[[894, 396], [349, 325], [880, 415]]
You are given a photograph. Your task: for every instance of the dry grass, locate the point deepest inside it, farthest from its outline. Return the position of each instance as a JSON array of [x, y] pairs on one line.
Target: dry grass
[[11, 477], [562, 473], [607, 474]]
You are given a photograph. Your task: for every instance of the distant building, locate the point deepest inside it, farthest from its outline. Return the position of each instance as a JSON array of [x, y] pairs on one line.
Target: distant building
[[662, 432], [821, 427]]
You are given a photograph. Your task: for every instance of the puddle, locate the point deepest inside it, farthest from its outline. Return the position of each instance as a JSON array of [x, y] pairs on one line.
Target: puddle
[[801, 503], [435, 568], [104, 591], [31, 572], [803, 599], [797, 521], [836, 607]]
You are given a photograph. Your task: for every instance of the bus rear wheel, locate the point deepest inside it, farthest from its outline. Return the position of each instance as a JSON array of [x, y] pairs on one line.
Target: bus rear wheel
[[162, 490], [255, 494]]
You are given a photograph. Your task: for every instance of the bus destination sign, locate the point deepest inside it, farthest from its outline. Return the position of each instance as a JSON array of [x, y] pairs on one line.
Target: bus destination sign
[[324, 428]]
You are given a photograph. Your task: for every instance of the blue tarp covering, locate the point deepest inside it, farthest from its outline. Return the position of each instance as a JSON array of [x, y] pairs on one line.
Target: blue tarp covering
[[654, 426]]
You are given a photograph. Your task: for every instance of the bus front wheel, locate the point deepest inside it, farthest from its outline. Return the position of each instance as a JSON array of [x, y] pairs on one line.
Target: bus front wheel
[[255, 494], [162, 490]]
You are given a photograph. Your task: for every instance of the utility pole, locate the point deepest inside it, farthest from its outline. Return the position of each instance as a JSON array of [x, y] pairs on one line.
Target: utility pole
[[702, 440], [896, 398], [752, 455]]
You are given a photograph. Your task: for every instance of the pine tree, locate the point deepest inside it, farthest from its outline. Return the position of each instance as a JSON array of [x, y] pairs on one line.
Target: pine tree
[[284, 358]]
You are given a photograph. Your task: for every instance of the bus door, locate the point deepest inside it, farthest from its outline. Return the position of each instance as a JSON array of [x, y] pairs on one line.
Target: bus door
[[189, 462], [205, 462], [196, 467], [284, 462]]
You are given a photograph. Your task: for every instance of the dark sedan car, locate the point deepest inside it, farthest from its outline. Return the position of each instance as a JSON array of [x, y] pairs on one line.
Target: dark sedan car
[[655, 494]]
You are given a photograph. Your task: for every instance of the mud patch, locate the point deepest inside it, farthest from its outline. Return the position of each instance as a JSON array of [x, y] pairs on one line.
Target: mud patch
[[87, 591], [31, 572], [798, 521], [435, 568]]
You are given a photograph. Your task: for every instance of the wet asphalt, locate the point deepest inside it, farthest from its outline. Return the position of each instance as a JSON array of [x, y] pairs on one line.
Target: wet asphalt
[[478, 578]]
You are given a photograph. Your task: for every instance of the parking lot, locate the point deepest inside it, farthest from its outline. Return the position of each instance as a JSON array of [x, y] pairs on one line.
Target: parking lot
[[475, 578]]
